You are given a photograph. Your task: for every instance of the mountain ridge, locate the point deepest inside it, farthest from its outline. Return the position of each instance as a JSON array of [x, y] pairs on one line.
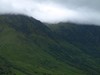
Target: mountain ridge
[[34, 48]]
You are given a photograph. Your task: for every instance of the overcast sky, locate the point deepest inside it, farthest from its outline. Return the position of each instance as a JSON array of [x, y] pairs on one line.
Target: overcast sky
[[51, 11]]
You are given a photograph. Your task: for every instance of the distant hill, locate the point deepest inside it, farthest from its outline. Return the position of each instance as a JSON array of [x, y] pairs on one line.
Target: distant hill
[[31, 48]]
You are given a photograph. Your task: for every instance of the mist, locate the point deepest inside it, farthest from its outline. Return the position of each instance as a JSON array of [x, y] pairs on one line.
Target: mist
[[55, 11]]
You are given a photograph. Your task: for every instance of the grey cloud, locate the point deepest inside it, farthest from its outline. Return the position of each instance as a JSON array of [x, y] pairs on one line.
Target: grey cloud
[[81, 11]]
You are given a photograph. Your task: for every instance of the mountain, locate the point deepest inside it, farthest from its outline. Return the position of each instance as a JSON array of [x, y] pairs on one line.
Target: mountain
[[29, 47], [79, 35], [84, 37]]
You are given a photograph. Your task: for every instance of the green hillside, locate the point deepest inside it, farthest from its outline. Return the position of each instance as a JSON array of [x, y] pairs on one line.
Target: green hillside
[[86, 38], [31, 48]]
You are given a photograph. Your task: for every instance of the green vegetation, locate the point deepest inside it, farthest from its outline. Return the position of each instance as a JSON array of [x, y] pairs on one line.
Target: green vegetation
[[31, 48]]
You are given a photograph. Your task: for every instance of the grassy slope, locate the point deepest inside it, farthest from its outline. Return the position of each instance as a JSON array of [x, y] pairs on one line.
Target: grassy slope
[[85, 39], [30, 54]]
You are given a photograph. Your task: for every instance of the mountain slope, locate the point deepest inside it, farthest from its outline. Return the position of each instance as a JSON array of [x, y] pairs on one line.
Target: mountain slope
[[31, 48], [85, 38], [27, 46]]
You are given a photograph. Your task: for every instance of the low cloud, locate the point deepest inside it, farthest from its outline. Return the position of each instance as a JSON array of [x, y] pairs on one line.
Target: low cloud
[[53, 11]]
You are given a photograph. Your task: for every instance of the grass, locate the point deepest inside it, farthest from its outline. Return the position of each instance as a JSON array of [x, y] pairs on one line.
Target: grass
[[37, 53]]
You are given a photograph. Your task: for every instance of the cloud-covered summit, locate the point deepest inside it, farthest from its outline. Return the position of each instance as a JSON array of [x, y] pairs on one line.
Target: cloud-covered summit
[[81, 11]]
